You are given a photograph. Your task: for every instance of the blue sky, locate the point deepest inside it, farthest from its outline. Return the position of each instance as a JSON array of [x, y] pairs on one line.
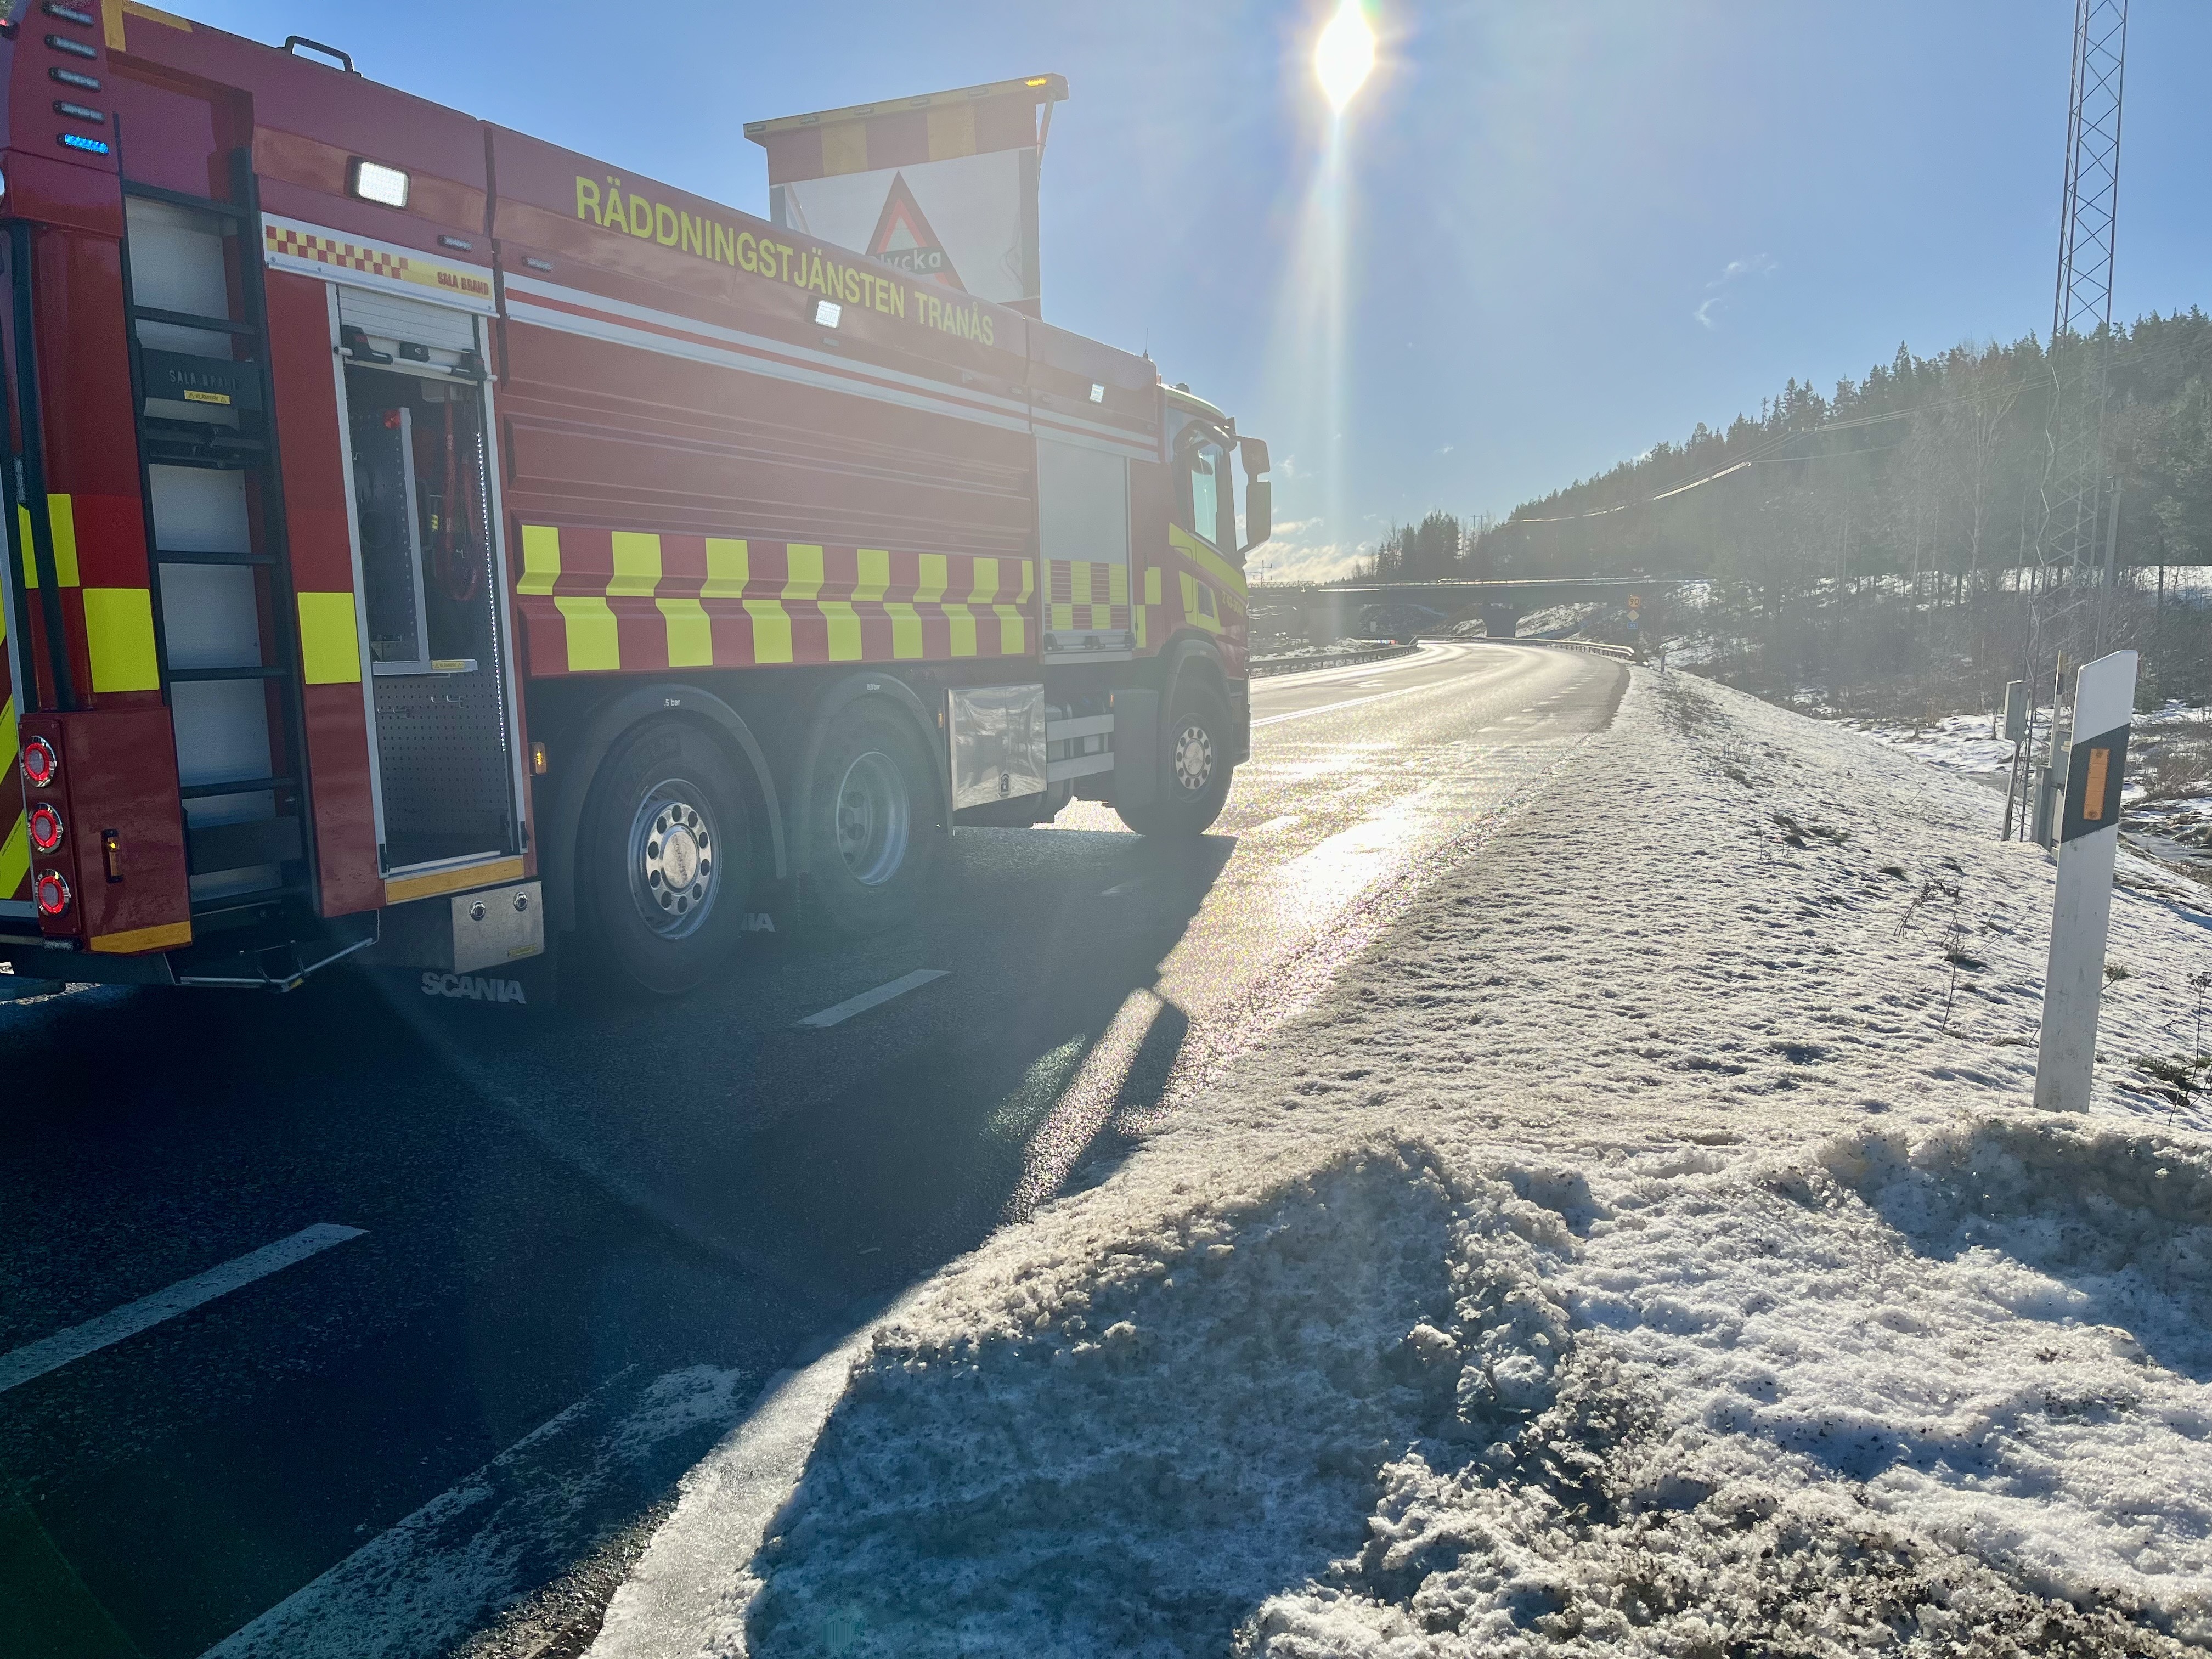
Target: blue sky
[[1565, 230]]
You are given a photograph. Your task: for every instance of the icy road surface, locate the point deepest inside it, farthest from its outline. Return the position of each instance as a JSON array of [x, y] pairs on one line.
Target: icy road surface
[[577, 1247], [1646, 1246]]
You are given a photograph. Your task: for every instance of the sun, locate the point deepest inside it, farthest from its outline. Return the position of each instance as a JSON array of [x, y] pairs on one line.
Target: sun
[[1344, 55]]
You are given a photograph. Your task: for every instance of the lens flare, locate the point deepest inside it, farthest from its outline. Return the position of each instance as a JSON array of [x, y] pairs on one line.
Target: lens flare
[[1344, 57]]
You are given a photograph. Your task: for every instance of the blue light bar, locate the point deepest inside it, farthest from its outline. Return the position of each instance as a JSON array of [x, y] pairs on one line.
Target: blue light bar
[[78, 141]]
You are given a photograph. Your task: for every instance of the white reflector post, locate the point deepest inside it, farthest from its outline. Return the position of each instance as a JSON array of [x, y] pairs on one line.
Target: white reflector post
[[2088, 844]]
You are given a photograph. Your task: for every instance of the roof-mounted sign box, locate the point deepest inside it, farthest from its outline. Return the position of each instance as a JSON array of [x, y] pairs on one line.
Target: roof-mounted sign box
[[943, 186]]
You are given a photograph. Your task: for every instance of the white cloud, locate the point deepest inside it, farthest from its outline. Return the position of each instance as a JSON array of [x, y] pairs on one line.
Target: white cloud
[[1759, 265], [1297, 554], [1292, 563]]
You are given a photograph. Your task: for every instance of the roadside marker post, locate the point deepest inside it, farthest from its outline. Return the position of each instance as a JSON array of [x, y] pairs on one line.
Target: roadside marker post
[[2016, 731], [2049, 777], [2088, 831]]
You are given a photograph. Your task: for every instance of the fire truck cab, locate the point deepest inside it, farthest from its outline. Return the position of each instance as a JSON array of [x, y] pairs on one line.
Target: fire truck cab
[[426, 544]]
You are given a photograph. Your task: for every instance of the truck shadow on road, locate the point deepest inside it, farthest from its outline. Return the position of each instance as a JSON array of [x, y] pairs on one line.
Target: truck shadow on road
[[550, 1198]]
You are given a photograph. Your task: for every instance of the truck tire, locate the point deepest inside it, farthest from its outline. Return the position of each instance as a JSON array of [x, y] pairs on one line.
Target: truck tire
[[872, 825], [665, 859], [1194, 767]]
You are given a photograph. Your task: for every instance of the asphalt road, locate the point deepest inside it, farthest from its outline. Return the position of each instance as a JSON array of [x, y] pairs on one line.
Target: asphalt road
[[587, 1238]]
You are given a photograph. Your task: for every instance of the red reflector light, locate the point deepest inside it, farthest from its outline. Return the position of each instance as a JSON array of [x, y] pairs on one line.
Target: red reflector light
[[52, 893], [46, 827], [41, 764]]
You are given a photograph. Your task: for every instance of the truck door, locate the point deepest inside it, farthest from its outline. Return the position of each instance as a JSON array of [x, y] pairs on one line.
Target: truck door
[[1083, 532], [418, 442]]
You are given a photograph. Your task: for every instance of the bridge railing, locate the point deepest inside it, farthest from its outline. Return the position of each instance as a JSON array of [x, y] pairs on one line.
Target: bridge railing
[[1587, 648], [1261, 667]]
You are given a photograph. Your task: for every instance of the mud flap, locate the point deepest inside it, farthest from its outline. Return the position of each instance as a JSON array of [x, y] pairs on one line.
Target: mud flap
[[517, 987], [1136, 748]]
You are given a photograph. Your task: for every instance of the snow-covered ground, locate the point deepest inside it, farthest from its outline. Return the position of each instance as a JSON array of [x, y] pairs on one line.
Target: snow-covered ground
[[1556, 621], [1957, 743], [2168, 797], [1646, 1246]]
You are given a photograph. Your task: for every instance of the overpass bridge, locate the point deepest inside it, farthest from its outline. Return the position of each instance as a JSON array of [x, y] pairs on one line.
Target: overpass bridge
[[1330, 612]]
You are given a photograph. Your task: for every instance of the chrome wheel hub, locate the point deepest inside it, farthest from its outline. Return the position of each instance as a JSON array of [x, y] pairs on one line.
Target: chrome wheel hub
[[671, 858], [1193, 758], [874, 818]]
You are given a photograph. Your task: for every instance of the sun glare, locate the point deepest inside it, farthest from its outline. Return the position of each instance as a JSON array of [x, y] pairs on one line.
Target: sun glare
[[1344, 55]]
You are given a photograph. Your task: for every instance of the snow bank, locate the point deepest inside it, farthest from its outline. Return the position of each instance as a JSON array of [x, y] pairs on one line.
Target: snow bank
[[1646, 1246], [1145, 1440]]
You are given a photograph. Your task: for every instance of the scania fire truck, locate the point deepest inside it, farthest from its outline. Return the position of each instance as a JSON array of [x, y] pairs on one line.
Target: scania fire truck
[[425, 543]]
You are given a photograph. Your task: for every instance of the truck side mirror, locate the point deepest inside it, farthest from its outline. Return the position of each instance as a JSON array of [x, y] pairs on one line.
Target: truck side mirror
[[1255, 452], [1259, 513]]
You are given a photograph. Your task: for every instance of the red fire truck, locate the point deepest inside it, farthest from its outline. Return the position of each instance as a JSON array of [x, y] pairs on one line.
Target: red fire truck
[[428, 544]]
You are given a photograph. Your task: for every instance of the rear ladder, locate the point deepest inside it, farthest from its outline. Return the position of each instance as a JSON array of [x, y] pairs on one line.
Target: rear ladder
[[226, 620]]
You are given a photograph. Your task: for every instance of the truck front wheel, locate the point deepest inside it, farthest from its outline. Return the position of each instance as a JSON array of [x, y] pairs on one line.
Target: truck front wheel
[[666, 857], [873, 827], [1194, 767]]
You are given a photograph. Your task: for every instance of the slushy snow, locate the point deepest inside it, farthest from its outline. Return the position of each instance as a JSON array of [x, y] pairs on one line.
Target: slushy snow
[[1646, 1246]]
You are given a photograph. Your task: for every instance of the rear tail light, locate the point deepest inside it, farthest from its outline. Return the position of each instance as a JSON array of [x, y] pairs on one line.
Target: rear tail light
[[52, 893], [41, 766], [46, 828]]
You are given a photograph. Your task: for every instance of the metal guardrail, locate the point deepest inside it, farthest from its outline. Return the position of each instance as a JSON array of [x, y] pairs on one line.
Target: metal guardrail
[[1260, 668], [1587, 648]]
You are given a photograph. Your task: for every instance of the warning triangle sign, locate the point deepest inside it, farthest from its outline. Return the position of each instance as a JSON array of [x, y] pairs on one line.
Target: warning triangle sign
[[904, 239]]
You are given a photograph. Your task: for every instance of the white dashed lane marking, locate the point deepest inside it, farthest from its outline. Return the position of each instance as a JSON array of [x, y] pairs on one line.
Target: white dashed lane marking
[[51, 1353], [1350, 702], [875, 999]]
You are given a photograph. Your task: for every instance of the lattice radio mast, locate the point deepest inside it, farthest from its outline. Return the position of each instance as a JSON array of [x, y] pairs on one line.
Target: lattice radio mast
[[2082, 312]]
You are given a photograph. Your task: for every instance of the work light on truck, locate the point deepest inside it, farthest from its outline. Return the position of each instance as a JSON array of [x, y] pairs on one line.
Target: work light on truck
[[52, 893], [375, 182], [45, 825], [41, 766]]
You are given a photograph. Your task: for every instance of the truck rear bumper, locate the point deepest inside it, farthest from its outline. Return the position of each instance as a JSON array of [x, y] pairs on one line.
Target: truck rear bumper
[[234, 963]]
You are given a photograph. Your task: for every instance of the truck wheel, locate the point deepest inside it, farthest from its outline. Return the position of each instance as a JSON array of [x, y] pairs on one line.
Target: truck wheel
[[666, 858], [871, 824], [1194, 768]]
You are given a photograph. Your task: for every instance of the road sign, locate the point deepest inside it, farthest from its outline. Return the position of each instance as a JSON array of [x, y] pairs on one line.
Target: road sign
[[903, 237], [2088, 845]]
